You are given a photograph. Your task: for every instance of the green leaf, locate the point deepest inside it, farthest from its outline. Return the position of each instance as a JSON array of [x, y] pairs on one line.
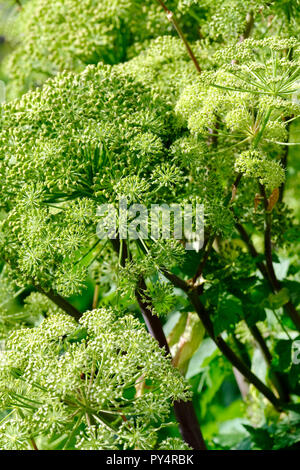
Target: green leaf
[[283, 355], [16, 372], [178, 329], [253, 313], [228, 314], [191, 345], [206, 352], [231, 433], [259, 293], [260, 437], [294, 378], [78, 335], [294, 291], [212, 379], [293, 407], [279, 299], [287, 433]]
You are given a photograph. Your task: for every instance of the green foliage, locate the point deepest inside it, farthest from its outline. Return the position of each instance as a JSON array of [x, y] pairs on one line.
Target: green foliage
[[285, 435], [165, 66], [109, 106]]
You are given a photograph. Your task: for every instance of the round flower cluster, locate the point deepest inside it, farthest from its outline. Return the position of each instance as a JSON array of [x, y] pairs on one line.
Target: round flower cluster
[[102, 384], [70, 34]]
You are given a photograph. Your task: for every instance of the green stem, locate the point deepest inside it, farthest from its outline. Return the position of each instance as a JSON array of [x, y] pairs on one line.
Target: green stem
[[262, 129]]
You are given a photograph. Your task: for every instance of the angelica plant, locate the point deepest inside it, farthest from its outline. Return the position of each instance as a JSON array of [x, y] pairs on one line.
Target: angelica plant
[[151, 103]]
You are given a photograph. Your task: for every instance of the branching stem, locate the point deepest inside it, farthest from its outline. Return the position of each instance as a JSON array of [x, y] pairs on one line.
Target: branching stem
[[184, 411], [222, 345], [248, 27], [60, 302], [229, 353], [171, 17]]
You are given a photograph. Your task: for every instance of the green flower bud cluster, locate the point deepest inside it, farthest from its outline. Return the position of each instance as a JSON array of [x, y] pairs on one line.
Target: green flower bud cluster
[[65, 149], [165, 66], [254, 165], [70, 34], [103, 384], [223, 20], [256, 76]]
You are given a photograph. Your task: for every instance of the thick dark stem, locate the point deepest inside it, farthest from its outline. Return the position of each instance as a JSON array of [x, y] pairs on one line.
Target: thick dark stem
[[188, 424], [33, 443], [229, 353], [275, 377], [60, 302], [248, 27], [56, 298], [224, 348], [275, 283], [261, 342], [175, 280], [184, 411], [203, 262], [152, 321], [222, 345], [269, 273]]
